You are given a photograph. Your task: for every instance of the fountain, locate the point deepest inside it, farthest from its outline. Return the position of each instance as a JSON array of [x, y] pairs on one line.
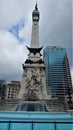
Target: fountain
[[31, 106]]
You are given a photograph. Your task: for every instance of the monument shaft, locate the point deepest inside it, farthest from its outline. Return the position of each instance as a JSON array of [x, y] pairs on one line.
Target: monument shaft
[[33, 84]]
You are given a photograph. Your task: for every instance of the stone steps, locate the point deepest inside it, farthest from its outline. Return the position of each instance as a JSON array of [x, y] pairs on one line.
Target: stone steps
[[52, 105], [56, 106], [8, 105]]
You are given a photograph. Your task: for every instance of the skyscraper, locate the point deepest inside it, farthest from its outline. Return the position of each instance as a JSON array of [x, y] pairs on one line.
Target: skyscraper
[[2, 88], [58, 77]]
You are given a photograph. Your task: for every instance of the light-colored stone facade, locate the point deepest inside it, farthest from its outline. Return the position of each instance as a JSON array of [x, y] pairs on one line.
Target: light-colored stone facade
[[13, 89], [33, 84]]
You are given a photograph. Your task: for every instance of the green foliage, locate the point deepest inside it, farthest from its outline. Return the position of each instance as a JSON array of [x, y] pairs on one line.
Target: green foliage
[[61, 99]]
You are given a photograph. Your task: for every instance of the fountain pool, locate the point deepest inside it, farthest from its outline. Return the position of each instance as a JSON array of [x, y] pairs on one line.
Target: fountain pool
[[20, 120]]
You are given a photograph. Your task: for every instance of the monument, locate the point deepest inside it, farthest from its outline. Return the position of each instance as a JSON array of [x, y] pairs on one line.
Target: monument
[[33, 84]]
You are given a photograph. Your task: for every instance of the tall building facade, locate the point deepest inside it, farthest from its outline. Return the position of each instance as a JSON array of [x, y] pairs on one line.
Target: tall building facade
[[2, 89], [13, 89], [58, 77]]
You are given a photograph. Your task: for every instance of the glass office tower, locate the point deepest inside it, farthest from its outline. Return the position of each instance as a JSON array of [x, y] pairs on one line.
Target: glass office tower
[[2, 88], [58, 77]]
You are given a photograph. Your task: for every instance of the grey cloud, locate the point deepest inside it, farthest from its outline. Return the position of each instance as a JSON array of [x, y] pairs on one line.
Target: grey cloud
[[56, 24], [11, 56], [55, 28], [11, 11]]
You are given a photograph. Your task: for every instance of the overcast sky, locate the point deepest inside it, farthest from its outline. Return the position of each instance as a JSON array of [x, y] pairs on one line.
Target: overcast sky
[[15, 31]]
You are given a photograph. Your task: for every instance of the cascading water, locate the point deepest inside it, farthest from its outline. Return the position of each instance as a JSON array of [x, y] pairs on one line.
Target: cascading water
[[31, 106]]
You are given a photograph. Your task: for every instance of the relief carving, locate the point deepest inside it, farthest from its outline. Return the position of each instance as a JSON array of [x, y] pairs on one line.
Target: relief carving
[[33, 86]]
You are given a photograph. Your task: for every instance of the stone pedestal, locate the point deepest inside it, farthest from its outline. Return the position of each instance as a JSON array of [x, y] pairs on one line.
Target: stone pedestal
[[33, 84]]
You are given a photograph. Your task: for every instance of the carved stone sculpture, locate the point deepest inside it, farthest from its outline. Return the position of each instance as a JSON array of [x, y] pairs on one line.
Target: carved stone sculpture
[[33, 86]]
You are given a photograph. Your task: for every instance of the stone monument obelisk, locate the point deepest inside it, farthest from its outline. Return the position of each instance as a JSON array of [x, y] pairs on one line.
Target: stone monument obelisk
[[33, 84]]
